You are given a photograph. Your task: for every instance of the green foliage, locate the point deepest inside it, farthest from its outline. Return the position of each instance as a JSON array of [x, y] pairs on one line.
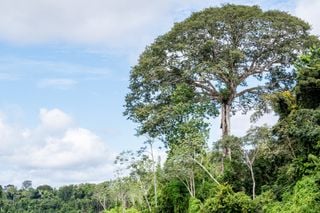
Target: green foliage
[[177, 201], [120, 210], [304, 198], [236, 174], [298, 133], [65, 193], [235, 171], [202, 64], [73, 198], [204, 61], [308, 80], [205, 188], [225, 200], [262, 201], [27, 184], [181, 80], [283, 103], [299, 126], [302, 130], [194, 205]]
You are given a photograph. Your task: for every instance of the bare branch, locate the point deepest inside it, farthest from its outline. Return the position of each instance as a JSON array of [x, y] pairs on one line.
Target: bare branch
[[205, 169], [211, 90], [255, 70], [249, 90], [185, 183]]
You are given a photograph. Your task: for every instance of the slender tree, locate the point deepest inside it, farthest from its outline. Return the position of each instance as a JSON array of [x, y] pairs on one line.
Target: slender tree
[[220, 58], [255, 142]]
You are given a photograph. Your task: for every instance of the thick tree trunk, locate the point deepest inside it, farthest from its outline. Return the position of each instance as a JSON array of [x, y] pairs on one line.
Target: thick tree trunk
[[225, 126], [225, 119]]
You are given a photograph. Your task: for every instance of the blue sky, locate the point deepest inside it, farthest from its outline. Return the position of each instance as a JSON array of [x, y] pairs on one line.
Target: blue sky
[[64, 71]]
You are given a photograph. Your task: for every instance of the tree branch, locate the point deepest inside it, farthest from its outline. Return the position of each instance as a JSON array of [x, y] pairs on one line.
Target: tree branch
[[205, 169], [186, 185], [211, 90], [254, 70], [249, 90]]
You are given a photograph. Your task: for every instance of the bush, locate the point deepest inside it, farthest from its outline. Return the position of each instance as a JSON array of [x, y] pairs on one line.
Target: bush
[[226, 200], [304, 198], [119, 210], [194, 205]]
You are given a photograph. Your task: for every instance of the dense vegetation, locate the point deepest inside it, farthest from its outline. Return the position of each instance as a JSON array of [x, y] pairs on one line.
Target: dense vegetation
[[270, 169]]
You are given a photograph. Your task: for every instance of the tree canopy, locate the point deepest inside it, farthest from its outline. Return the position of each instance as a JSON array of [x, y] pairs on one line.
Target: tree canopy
[[219, 58]]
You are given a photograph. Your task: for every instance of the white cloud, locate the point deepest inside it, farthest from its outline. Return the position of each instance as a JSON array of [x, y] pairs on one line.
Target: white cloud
[[54, 119], [108, 25], [6, 135], [77, 21], [309, 11], [56, 147], [110, 22], [113, 23], [77, 148], [58, 83]]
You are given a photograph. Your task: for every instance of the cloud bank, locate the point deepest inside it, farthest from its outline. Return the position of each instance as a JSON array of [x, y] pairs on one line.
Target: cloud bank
[[56, 147], [81, 21], [113, 23]]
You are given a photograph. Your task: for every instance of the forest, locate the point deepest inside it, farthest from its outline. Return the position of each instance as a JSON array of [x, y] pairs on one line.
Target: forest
[[218, 62]]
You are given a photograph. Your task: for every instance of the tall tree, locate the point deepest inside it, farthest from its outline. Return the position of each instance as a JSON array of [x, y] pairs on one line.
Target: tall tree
[[208, 61], [255, 142], [308, 80], [27, 184], [184, 159], [299, 109], [142, 168]]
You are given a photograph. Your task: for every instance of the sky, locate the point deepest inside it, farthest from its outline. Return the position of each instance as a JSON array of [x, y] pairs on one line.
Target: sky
[[64, 73]]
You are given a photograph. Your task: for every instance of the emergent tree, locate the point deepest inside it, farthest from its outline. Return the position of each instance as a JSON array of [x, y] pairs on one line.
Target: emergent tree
[[220, 58]]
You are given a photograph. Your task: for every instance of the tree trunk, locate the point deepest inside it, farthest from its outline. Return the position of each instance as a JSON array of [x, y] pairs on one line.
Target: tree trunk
[[253, 183], [102, 203], [187, 183], [193, 186], [225, 126], [154, 177], [249, 163], [147, 201], [206, 170]]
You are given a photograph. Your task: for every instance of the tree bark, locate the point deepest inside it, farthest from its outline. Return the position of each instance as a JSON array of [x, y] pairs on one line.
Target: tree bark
[[253, 183], [225, 126], [249, 163], [206, 170], [148, 204], [154, 170]]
